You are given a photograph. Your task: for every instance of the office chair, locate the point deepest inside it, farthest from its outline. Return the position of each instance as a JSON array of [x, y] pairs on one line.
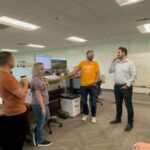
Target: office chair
[[53, 120], [30, 138], [99, 92], [54, 107]]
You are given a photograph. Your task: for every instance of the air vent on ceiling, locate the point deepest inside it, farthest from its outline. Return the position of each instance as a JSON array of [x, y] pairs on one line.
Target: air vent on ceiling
[[3, 27], [21, 44]]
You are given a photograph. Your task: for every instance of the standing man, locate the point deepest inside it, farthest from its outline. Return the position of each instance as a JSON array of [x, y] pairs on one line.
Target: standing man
[[125, 74], [13, 124], [89, 77]]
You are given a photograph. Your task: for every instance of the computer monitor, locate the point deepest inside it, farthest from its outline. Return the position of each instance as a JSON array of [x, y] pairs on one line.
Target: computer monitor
[[46, 60], [58, 63]]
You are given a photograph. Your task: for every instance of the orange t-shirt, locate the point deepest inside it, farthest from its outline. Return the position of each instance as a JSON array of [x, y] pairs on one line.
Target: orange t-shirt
[[89, 70], [12, 104]]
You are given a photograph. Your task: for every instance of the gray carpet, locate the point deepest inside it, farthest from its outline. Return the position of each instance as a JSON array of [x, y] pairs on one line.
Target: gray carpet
[[76, 135]]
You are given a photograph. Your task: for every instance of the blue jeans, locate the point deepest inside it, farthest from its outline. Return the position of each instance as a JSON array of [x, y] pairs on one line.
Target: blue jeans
[[41, 121], [91, 90]]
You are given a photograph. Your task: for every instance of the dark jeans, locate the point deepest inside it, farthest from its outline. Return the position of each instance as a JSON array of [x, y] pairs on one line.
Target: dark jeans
[[125, 94], [91, 90], [13, 130]]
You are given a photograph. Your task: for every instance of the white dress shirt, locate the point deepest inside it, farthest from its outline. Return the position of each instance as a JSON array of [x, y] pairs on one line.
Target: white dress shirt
[[125, 72]]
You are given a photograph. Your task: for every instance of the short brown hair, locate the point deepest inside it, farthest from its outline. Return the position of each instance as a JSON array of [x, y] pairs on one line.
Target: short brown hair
[[4, 57], [89, 51], [124, 50]]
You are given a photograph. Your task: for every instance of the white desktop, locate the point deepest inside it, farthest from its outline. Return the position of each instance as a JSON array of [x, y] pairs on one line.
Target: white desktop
[[72, 106]]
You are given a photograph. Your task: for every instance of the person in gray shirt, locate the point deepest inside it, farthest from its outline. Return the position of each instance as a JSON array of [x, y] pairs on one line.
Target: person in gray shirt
[[40, 101], [125, 74]]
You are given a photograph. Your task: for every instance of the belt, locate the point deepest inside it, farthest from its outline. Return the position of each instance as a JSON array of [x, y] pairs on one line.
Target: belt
[[120, 84]]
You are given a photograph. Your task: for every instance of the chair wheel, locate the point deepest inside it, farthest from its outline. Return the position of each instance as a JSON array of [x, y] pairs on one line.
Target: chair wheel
[[60, 125], [50, 132]]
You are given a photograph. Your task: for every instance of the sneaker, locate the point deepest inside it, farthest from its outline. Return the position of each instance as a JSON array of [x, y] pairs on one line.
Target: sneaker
[[45, 143], [93, 119], [84, 118]]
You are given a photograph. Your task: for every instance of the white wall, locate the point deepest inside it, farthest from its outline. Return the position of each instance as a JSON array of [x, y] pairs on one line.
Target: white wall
[[104, 53]]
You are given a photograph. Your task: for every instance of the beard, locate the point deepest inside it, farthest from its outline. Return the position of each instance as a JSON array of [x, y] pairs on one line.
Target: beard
[[120, 57], [90, 58]]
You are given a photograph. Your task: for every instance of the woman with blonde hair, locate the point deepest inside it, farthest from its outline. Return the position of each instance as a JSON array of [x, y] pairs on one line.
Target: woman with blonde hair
[[40, 101]]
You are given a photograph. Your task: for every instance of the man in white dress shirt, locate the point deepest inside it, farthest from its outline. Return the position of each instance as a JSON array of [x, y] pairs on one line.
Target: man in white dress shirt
[[125, 74]]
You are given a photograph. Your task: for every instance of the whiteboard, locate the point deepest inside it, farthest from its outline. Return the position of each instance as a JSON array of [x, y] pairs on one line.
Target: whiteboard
[[19, 71], [142, 63]]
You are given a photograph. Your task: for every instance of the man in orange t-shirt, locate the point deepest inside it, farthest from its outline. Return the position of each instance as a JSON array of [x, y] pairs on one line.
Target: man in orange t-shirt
[[13, 123], [89, 77]]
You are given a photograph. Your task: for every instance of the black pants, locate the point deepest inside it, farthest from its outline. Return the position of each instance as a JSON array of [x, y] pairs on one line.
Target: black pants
[[13, 130], [125, 94]]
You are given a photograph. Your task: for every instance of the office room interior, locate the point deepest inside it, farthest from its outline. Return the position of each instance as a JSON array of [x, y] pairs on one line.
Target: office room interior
[[61, 34]]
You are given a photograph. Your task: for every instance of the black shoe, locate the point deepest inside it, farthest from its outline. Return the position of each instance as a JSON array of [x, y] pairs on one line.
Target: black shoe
[[128, 127], [45, 143], [115, 121]]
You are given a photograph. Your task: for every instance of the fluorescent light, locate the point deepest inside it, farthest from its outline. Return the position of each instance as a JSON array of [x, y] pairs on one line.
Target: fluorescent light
[[35, 45], [145, 28], [17, 23], [75, 39], [9, 50], [127, 2]]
